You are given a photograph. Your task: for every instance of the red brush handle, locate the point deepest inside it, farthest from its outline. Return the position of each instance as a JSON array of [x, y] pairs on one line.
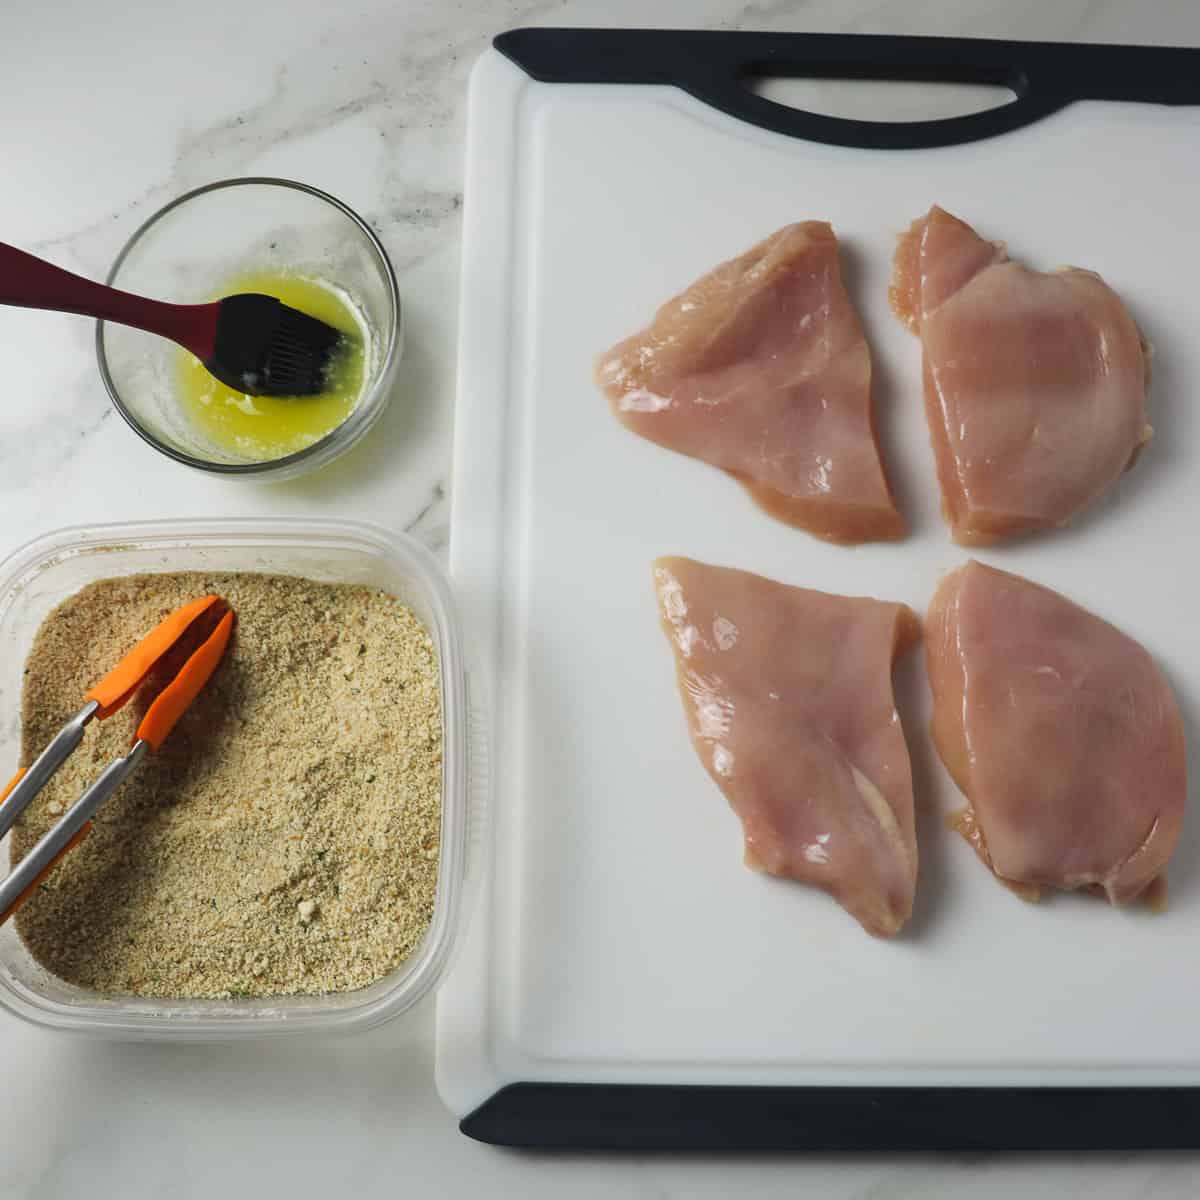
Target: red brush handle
[[31, 283]]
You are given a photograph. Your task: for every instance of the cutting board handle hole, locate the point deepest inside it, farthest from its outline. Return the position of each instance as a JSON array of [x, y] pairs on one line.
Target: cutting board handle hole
[[890, 100]]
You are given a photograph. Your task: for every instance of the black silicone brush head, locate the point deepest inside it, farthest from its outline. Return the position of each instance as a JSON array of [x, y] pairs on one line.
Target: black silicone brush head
[[266, 348]]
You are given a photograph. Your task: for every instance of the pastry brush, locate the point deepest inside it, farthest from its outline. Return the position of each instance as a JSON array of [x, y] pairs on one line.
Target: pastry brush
[[256, 344]]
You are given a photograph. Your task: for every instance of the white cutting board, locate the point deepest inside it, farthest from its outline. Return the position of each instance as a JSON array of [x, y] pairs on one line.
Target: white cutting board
[[619, 937]]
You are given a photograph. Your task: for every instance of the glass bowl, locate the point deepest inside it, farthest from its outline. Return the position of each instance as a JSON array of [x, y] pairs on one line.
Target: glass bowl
[[36, 578], [189, 250]]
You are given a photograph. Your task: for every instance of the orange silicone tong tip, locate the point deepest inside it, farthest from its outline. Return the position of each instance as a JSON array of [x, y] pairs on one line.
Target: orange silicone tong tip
[[172, 702], [12, 783], [115, 689]]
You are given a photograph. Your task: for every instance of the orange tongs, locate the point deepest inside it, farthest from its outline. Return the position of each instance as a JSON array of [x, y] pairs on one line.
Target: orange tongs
[[209, 617]]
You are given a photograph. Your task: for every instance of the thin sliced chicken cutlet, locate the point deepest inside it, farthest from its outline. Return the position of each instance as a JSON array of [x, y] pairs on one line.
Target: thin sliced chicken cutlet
[[761, 368], [1062, 733], [788, 696], [1035, 383]]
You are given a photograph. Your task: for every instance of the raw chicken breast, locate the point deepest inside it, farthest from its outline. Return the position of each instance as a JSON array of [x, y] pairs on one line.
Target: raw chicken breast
[[761, 368], [1035, 384], [1060, 730], [788, 694]]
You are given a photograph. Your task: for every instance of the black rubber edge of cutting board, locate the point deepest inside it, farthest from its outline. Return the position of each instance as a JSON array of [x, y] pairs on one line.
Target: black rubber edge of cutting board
[[716, 67], [593, 1116]]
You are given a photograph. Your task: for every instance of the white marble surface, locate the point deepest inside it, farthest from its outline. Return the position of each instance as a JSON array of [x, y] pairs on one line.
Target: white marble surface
[[111, 109]]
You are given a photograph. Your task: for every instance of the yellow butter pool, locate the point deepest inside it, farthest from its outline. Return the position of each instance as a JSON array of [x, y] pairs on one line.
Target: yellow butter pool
[[266, 427]]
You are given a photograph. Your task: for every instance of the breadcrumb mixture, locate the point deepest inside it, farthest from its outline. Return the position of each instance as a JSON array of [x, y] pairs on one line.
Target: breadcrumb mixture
[[285, 838]]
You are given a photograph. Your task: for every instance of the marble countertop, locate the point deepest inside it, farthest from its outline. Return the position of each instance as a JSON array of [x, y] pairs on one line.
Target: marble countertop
[[111, 110]]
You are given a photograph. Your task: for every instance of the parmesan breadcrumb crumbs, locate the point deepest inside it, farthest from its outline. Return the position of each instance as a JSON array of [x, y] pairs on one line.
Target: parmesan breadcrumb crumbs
[[285, 838]]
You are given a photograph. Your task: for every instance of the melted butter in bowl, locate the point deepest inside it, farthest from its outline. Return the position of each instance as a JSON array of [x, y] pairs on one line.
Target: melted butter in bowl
[[272, 236], [261, 428]]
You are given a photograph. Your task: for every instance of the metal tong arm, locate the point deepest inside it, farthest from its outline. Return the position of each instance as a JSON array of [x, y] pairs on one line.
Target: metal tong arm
[[72, 828], [28, 783]]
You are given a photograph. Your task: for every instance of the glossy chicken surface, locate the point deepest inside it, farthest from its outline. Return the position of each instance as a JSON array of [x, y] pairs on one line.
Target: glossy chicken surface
[[788, 697], [761, 368], [1062, 733], [1035, 383]]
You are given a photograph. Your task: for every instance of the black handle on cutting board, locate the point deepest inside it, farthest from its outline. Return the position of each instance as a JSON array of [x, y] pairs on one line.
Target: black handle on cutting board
[[717, 67], [597, 1116]]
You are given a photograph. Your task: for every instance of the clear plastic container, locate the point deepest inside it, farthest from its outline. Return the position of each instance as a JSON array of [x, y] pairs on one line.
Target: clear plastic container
[[37, 577]]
